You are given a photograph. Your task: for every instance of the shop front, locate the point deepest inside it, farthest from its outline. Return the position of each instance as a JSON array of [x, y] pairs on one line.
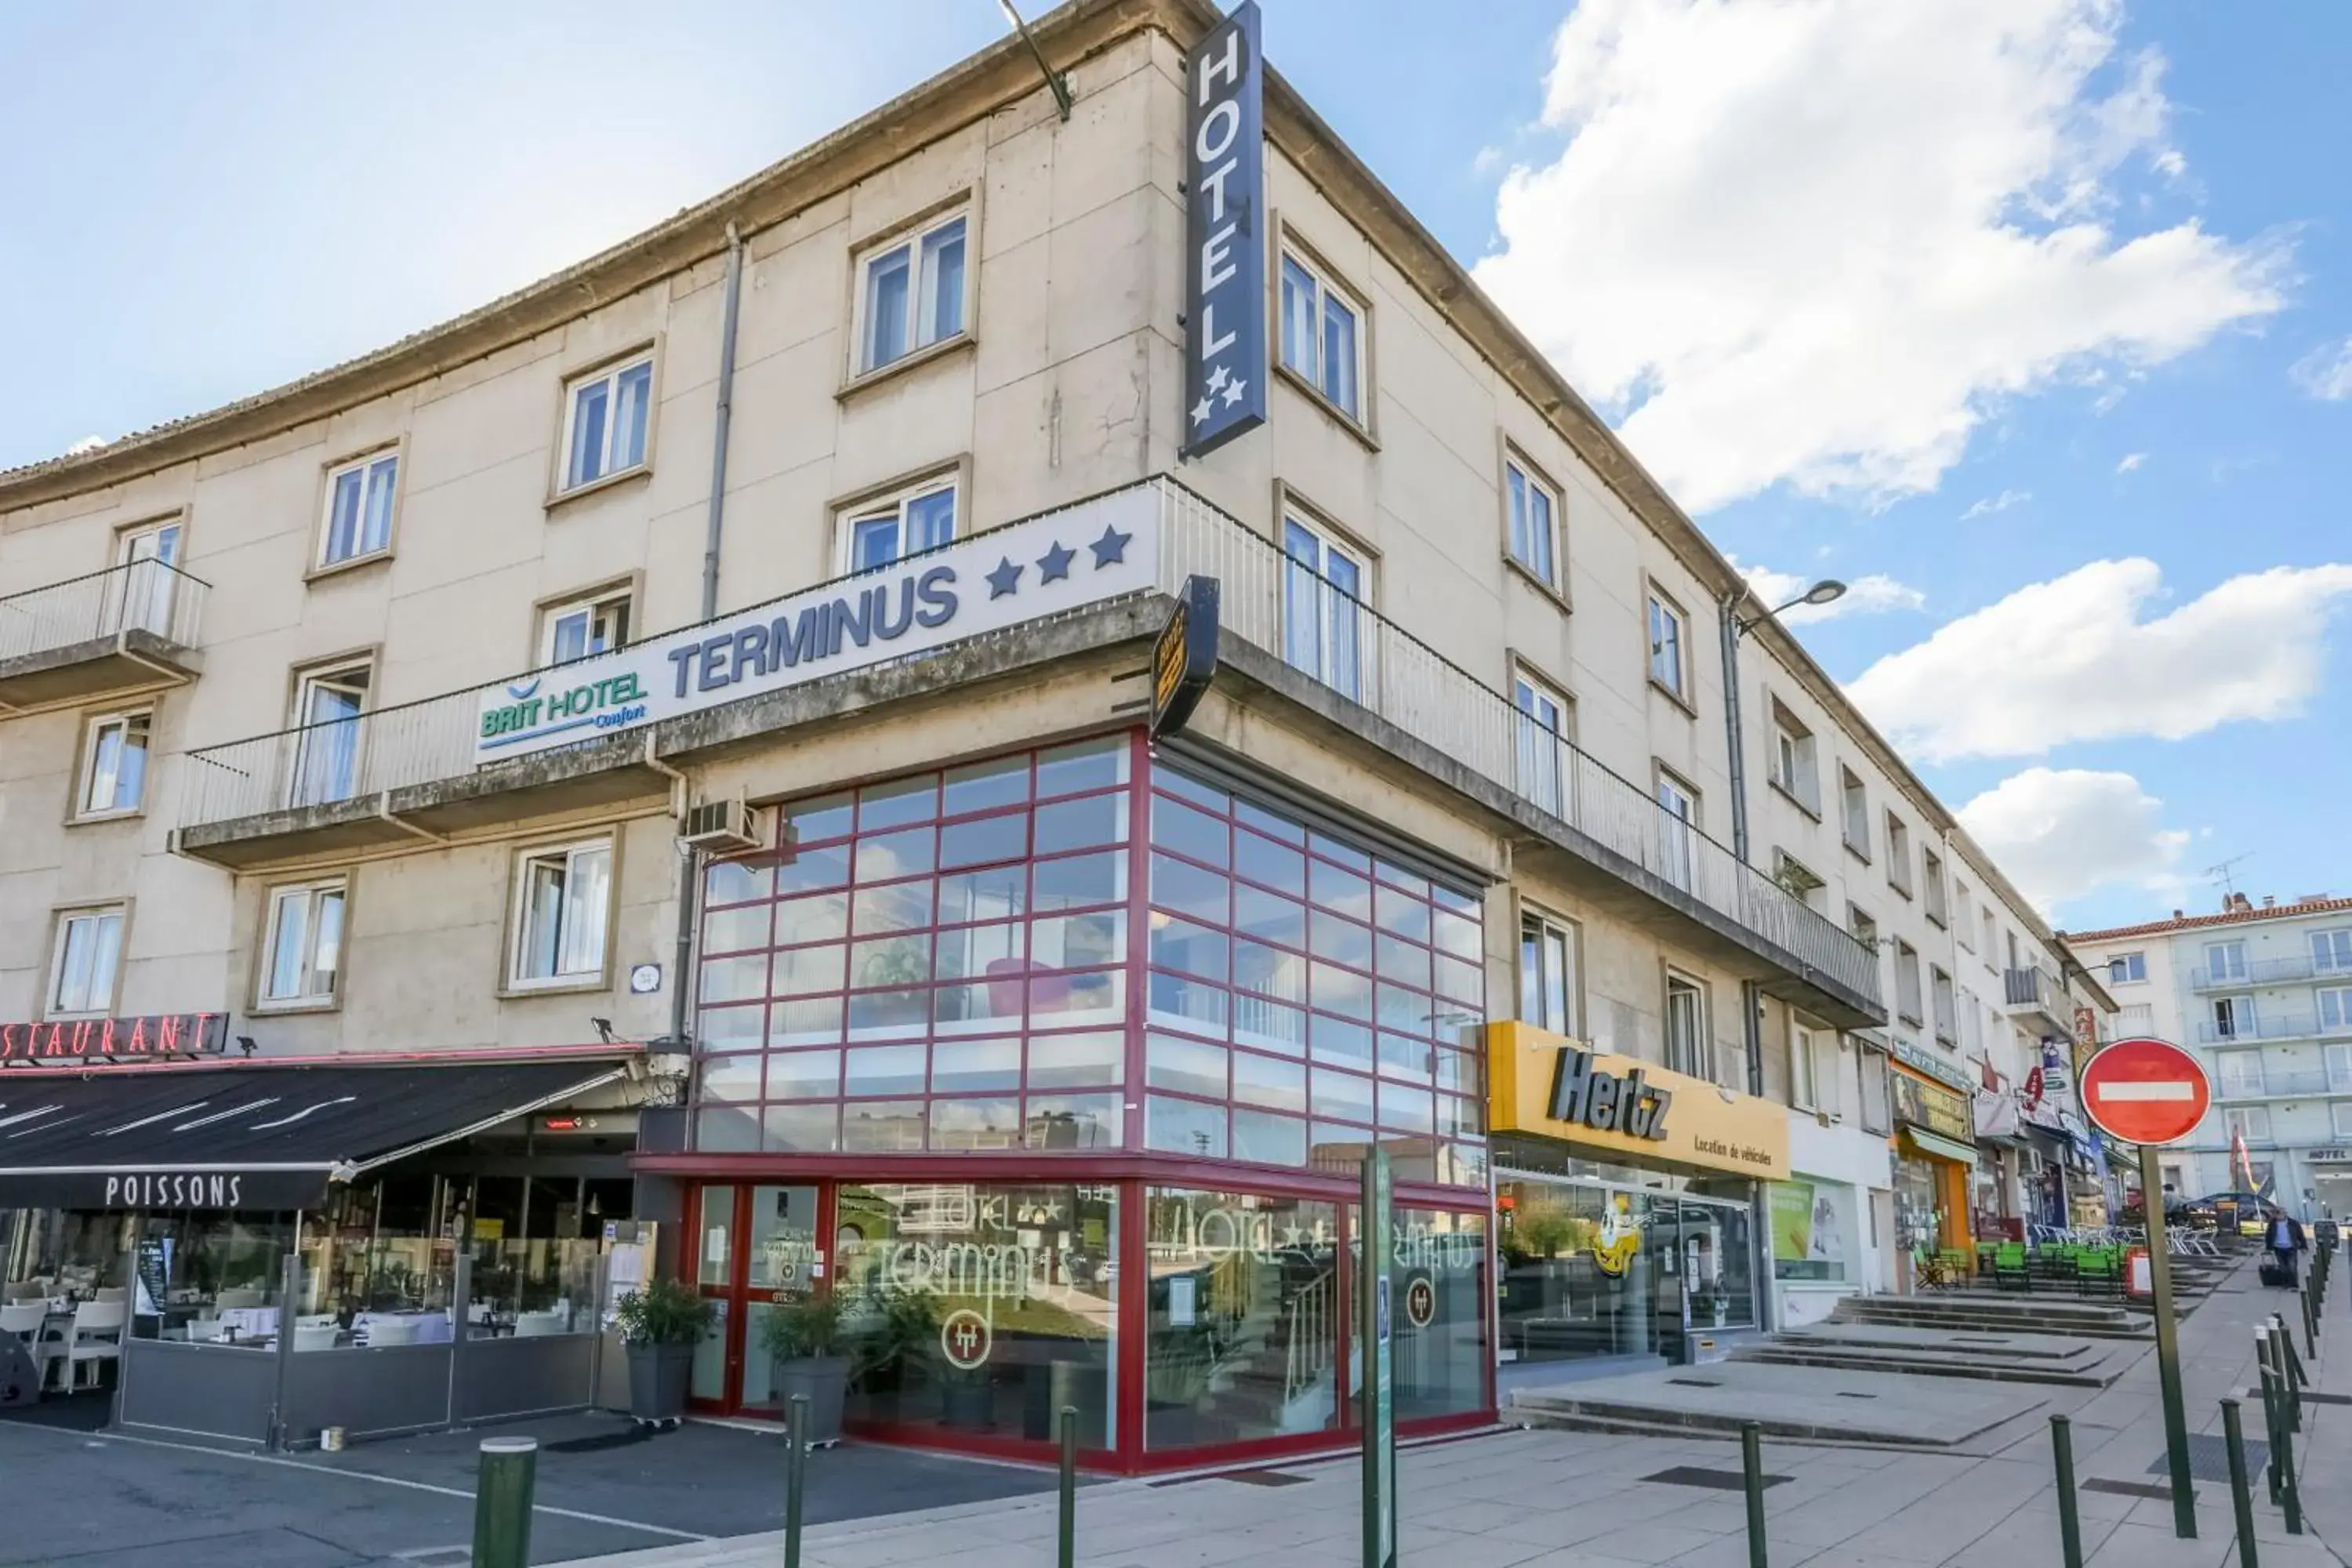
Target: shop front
[[1057, 1072], [1934, 1164], [1822, 1245], [1626, 1200], [255, 1250]]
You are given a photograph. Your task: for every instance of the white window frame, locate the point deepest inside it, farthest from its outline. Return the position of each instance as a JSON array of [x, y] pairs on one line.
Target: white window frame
[[569, 858], [1796, 762], [384, 461], [1906, 968], [2121, 968], [1898, 855], [2331, 939], [94, 732], [2236, 967], [1931, 888], [892, 508], [1556, 946], [1853, 811], [2241, 1004], [314, 896], [614, 607], [1943, 1004], [1523, 487], [569, 477], [1679, 828], [1664, 611], [146, 599], [61, 935], [1699, 1060], [1804, 1068], [2342, 997], [317, 742], [2340, 1119], [2251, 1121], [1547, 728], [1798, 879], [1334, 605], [921, 299], [1963, 917], [1322, 290], [2239, 1072]]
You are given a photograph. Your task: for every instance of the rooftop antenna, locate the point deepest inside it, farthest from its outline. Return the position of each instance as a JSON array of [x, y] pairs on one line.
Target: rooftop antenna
[[2221, 874]]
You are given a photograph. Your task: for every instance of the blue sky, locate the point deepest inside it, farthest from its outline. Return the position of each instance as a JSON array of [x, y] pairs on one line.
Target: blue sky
[[1957, 302]]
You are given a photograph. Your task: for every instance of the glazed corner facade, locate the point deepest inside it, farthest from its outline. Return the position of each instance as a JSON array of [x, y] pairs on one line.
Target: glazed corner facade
[[1058, 401]]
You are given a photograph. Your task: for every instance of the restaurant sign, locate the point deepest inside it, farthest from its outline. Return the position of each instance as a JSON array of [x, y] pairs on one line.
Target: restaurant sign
[[1046, 565], [1616, 1108], [1940, 1110], [110, 1042]]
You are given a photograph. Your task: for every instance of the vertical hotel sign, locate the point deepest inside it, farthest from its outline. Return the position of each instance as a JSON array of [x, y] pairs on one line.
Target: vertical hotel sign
[[1225, 230]]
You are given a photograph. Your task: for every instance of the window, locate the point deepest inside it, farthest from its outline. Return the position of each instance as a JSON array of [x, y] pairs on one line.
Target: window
[[302, 945], [1931, 878], [1544, 724], [2340, 1119], [584, 628], [1864, 928], [114, 764], [1940, 994], [1877, 1114], [149, 592], [2331, 951], [2233, 1018], [358, 524], [1805, 1069], [1667, 639], [2224, 961], [2335, 1009], [1547, 983], [1322, 336], [1324, 589], [2339, 1068], [895, 527], [1855, 810], [2127, 968], [911, 294], [2242, 1073], [1792, 760], [605, 420], [88, 961], [1796, 878], [1535, 521], [1963, 923], [1687, 1042], [1899, 855], [1985, 917], [562, 902], [327, 708], [1677, 816], [2251, 1123], [2010, 937], [1906, 983]]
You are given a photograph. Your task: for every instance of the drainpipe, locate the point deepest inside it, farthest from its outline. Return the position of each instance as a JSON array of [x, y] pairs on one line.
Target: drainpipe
[[1730, 629], [688, 863]]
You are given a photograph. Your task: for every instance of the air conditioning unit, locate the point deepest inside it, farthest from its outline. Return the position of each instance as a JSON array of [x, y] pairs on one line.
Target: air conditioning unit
[[722, 827]]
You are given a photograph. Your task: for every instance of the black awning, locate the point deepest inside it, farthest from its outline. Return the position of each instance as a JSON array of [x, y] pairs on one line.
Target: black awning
[[249, 1136]]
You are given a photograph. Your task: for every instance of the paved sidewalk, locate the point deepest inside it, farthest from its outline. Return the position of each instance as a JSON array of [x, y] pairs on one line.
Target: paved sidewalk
[[1564, 1500]]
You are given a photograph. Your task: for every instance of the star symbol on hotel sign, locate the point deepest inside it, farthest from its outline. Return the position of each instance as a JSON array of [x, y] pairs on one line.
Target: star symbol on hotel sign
[[1217, 379], [1201, 412], [1110, 548], [1054, 566], [1234, 390], [1004, 579]]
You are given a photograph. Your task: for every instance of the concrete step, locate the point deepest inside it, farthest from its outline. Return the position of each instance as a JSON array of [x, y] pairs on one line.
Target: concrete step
[[2136, 1332], [1913, 1364], [1787, 1401]]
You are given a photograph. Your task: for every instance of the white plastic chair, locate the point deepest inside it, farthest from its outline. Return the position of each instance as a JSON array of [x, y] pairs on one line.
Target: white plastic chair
[[96, 1336], [204, 1331], [537, 1325], [314, 1337], [383, 1331], [24, 1320]]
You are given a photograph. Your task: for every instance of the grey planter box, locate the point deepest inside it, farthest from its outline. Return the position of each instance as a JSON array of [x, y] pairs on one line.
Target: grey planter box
[[659, 1378], [824, 1379]]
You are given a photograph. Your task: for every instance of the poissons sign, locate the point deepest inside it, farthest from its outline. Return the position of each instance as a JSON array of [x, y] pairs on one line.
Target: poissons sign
[[1079, 555]]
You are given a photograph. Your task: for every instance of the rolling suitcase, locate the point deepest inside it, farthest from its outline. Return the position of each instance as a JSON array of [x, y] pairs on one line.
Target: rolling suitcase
[[2276, 1277]]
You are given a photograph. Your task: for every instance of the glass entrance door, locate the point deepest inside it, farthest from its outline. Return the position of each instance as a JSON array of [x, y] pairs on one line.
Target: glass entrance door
[[757, 1246]]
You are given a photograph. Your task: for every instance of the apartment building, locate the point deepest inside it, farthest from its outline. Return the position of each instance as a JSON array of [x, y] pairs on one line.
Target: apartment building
[[724, 681], [2262, 992]]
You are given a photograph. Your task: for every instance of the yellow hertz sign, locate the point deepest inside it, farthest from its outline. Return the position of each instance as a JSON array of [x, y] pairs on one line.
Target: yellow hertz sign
[[1620, 1109]]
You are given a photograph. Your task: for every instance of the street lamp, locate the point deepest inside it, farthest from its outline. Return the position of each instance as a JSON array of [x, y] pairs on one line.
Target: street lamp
[[1826, 590]]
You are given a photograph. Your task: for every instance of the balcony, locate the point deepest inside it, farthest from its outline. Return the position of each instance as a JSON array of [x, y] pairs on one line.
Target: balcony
[[2035, 994], [2260, 972], [129, 628], [2262, 1082], [2270, 1026], [1369, 691]]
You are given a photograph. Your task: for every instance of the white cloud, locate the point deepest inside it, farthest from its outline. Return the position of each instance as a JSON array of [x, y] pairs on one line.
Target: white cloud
[[86, 444], [2061, 834], [2325, 371], [2130, 460], [2071, 660], [1818, 241], [1863, 596], [1991, 504]]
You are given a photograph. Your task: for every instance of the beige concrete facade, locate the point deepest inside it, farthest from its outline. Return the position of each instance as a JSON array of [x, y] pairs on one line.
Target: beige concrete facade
[[1064, 383]]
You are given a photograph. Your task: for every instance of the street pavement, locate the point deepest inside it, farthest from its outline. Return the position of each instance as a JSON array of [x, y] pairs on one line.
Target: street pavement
[[1571, 1500]]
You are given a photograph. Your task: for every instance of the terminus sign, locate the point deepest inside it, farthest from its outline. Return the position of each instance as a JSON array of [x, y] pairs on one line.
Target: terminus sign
[[1047, 565], [91, 1041]]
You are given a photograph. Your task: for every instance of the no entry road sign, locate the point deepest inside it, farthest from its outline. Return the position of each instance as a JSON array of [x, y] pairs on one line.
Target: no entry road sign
[[2146, 1091]]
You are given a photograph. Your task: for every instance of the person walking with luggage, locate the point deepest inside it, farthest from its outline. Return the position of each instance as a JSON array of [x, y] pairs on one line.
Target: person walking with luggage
[[2285, 1239]]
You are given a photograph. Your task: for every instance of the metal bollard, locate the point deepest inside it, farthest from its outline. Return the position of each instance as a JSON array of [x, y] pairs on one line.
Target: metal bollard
[[1752, 1465], [502, 1502], [1069, 1525], [2290, 1489], [2241, 1495], [2273, 1416], [796, 1412], [2310, 1327], [2290, 1373], [2069, 1523]]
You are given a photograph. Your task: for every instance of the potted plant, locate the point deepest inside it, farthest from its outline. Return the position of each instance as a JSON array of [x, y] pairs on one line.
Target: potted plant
[[899, 1327], [661, 1322], [803, 1340]]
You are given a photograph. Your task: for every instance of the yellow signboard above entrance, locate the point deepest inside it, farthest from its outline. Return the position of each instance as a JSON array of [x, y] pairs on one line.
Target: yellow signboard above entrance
[[1615, 1108]]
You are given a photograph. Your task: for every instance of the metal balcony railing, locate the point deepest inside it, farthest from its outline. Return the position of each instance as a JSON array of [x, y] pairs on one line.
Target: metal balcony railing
[[2037, 989], [151, 597], [2257, 972], [2270, 1026], [2269, 1083], [1281, 605]]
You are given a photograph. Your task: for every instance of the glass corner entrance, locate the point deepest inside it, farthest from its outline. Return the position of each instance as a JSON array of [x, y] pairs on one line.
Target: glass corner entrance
[[1592, 1270]]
